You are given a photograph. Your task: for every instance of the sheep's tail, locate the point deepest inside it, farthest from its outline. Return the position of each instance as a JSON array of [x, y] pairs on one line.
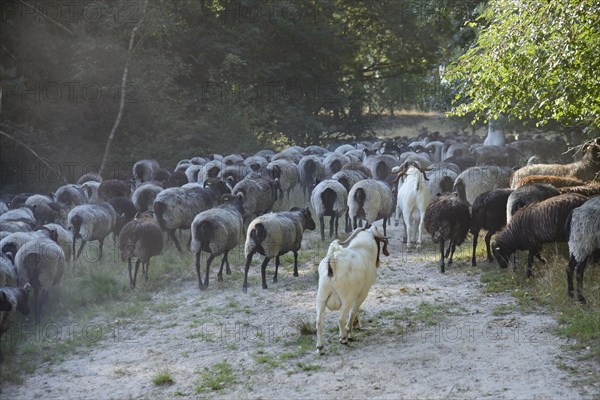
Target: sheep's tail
[[459, 187], [328, 197], [360, 196], [159, 211], [76, 221], [382, 170], [259, 233], [205, 233], [309, 169]]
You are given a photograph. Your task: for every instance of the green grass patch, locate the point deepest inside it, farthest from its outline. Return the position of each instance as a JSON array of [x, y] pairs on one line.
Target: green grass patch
[[216, 378], [163, 378]]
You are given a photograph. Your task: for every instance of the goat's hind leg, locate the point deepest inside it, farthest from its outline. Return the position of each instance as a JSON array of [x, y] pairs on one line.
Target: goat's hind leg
[[345, 309], [322, 296]]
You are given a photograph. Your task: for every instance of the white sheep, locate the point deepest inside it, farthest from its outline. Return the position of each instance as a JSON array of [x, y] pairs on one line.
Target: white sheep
[[345, 277]]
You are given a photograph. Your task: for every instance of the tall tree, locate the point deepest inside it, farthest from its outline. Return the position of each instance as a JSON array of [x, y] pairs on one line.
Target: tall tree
[[533, 60]]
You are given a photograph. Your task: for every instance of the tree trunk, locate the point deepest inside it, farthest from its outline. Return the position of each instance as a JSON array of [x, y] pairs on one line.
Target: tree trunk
[[123, 90]]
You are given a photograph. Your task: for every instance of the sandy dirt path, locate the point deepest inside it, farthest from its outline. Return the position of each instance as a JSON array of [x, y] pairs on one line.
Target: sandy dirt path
[[424, 335]]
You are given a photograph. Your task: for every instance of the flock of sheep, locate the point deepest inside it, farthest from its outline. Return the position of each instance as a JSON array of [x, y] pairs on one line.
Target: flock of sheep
[[450, 185]]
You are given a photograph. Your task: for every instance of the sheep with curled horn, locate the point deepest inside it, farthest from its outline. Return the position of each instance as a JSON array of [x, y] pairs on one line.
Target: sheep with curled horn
[[587, 168]]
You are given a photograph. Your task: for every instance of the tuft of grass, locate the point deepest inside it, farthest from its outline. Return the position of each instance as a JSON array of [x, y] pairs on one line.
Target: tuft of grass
[[162, 377], [308, 367], [215, 378], [304, 326]]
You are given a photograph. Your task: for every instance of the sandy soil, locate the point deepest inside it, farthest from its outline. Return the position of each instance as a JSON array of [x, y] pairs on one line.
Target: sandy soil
[[460, 350]]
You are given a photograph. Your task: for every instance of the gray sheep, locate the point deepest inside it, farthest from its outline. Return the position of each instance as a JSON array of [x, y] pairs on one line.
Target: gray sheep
[[287, 174], [141, 238], [334, 162], [143, 197], [480, 179], [91, 222], [144, 170], [258, 194], [329, 198], [370, 200], [70, 195], [40, 262], [381, 165], [310, 170], [217, 231], [175, 208], [273, 235], [584, 242]]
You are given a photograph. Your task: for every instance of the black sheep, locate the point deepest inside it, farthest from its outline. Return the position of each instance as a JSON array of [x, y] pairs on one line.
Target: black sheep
[[488, 212], [448, 218]]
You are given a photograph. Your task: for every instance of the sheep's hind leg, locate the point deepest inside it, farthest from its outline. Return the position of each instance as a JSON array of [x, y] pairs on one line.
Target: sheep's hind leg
[[580, 270], [474, 257], [296, 264], [263, 272], [137, 266], [80, 248], [570, 270], [246, 268], [331, 225], [442, 266], [210, 259], [453, 246], [200, 285], [174, 239], [131, 285], [276, 269], [223, 262], [322, 227], [488, 238]]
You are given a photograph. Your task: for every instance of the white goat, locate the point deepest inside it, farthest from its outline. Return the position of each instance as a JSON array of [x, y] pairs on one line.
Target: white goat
[[413, 196], [345, 277]]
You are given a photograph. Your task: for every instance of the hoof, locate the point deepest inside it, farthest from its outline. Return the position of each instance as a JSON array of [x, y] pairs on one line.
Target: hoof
[[245, 289], [344, 340], [320, 350], [296, 274], [581, 299], [220, 277], [274, 281], [264, 286]]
